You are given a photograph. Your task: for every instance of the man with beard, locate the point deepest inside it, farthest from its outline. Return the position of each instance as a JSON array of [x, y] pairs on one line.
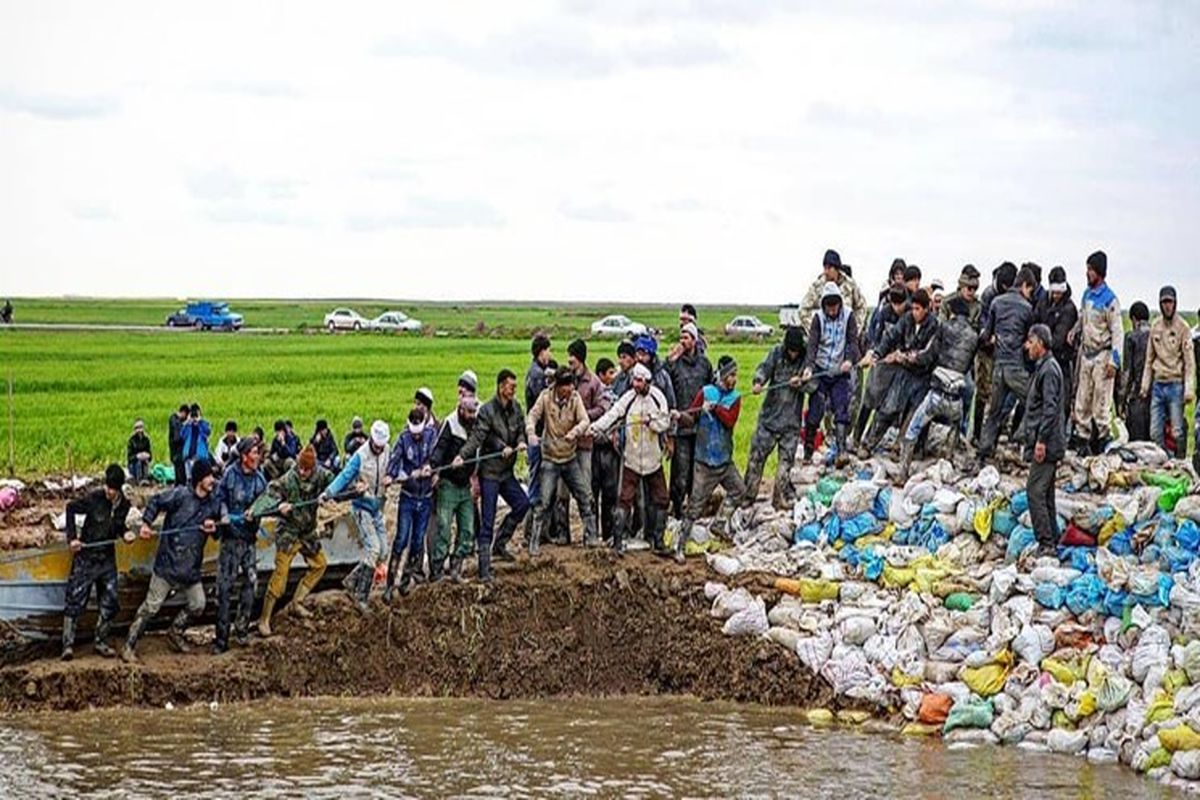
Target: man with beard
[[1170, 376]]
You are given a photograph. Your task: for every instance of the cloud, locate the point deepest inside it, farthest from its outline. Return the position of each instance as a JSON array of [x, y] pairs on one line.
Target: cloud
[[429, 212], [265, 90], [654, 12], [241, 214], [595, 212], [93, 212], [60, 107], [676, 52], [218, 183]]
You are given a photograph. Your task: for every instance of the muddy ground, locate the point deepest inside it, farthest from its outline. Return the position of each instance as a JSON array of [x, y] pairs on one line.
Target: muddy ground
[[574, 623]]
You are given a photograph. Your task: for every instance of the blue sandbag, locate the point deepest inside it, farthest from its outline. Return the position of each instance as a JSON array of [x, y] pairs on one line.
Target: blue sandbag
[[855, 528], [1003, 521], [1115, 602], [1187, 536], [1080, 558], [872, 565], [833, 528], [882, 506], [808, 533], [1049, 595], [1022, 539], [1176, 559], [1161, 597], [1085, 593], [1020, 503], [1121, 544]]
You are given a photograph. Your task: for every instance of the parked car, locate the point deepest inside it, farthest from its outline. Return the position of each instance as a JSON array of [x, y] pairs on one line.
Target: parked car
[[789, 317], [748, 326], [618, 325], [206, 315], [346, 319], [395, 321]]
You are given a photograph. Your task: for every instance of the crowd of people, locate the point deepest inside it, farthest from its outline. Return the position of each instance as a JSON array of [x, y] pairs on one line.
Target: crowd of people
[[647, 436]]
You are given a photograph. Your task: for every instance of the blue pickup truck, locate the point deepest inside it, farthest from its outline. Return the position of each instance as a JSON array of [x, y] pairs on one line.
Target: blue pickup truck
[[206, 316]]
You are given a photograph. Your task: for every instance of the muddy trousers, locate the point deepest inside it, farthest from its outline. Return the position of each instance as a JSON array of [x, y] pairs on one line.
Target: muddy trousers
[[490, 492], [454, 507], [606, 482], [937, 405], [96, 568], [1040, 489], [579, 484], [314, 559], [160, 589], [761, 445], [658, 499], [1010, 382], [682, 473], [707, 480], [238, 559], [1093, 400]]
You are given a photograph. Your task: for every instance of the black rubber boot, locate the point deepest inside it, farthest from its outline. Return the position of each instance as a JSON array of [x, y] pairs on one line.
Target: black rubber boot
[[618, 532], [175, 637], [390, 581], [500, 548], [659, 518], [843, 453], [485, 565], [362, 594], [456, 569], [68, 638], [100, 644]]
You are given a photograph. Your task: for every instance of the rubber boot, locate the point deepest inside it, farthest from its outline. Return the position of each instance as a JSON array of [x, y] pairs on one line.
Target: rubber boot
[[843, 454], [681, 539], [129, 651], [810, 436], [659, 517], [264, 619], [618, 532], [500, 547], [175, 637], [906, 456], [297, 605], [456, 569], [533, 535], [100, 644], [363, 590], [351, 580], [485, 565], [860, 424], [68, 638], [390, 581]]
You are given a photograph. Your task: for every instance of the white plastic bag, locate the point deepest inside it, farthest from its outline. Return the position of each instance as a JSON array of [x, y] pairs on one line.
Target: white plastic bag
[[750, 621]]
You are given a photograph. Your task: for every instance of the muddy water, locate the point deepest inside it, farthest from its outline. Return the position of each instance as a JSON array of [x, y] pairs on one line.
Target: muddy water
[[422, 748]]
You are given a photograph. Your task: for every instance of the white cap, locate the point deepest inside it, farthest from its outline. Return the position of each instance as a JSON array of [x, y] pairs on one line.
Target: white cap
[[640, 371], [427, 394], [381, 434], [1058, 287]]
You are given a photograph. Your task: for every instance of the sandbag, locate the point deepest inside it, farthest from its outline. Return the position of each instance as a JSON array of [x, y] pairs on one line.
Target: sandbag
[[1186, 763], [935, 708], [731, 602], [1033, 643], [1066, 741], [750, 621], [968, 714], [1181, 737], [989, 679]]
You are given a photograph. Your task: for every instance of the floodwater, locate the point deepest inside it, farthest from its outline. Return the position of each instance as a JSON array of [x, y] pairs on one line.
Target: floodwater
[[627, 747]]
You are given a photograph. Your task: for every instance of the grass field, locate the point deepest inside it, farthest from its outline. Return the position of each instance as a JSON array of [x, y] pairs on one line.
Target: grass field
[[491, 320], [82, 391]]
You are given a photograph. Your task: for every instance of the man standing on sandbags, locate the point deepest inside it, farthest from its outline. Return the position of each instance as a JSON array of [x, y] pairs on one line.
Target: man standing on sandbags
[[779, 419], [1045, 437], [1169, 378], [1098, 336], [1007, 330], [1056, 310], [191, 517], [645, 416], [104, 511], [713, 412], [1002, 280], [1132, 407], [833, 351]]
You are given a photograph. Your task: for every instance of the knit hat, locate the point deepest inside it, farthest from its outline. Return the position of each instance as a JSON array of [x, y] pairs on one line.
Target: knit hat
[[625, 349], [424, 395], [1167, 292], [831, 294], [201, 469], [1139, 311], [793, 339], [308, 458], [356, 423], [726, 366], [640, 371], [646, 343], [1058, 280], [690, 329], [469, 381], [578, 348], [114, 476], [1042, 333], [381, 434], [969, 277], [832, 259], [245, 445], [1099, 262]]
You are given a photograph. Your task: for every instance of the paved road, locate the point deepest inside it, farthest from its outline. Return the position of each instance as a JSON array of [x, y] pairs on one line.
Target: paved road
[[85, 326]]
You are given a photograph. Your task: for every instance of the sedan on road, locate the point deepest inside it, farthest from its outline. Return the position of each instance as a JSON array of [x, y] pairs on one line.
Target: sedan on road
[[395, 321], [748, 326], [346, 319], [618, 325]]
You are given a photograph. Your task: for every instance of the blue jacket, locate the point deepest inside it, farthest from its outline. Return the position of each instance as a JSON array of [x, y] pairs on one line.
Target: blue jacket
[[181, 553], [195, 438], [236, 492], [408, 456]]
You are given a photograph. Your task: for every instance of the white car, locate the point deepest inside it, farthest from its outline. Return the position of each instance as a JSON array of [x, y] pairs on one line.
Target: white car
[[618, 325], [395, 321], [346, 319], [748, 326]]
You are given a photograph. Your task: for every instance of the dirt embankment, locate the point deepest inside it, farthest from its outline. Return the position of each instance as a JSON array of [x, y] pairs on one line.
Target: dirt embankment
[[574, 623]]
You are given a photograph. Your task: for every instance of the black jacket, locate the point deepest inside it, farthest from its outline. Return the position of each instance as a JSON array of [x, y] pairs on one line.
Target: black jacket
[[1059, 317], [952, 346], [496, 428], [688, 377], [1044, 415], [907, 337], [354, 439], [1133, 363], [1010, 319], [103, 521], [782, 405], [450, 441], [175, 437], [181, 552], [138, 443]]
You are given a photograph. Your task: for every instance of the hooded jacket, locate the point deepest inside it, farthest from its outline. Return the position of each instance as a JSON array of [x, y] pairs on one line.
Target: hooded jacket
[[1133, 362], [496, 427], [410, 454], [782, 405], [852, 297], [644, 419], [1060, 318], [195, 438], [181, 552], [1009, 321], [450, 441], [369, 467], [1169, 356], [1100, 326], [1044, 414]]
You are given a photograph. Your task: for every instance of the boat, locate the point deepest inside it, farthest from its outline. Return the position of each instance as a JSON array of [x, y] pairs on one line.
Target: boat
[[33, 583]]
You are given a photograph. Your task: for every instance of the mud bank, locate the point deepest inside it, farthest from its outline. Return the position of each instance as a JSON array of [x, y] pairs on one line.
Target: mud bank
[[573, 623]]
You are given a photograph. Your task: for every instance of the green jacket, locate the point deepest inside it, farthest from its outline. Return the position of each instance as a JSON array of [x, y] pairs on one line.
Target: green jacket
[[301, 523]]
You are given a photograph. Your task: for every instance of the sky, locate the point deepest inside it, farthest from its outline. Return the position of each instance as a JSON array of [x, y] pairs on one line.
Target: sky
[[701, 150]]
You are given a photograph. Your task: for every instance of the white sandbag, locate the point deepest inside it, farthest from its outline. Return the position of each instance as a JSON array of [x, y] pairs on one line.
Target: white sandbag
[[1010, 727], [1190, 660], [785, 637], [712, 590], [1059, 576], [814, 651], [1033, 643], [1063, 741], [1186, 764], [729, 603], [1101, 755], [970, 736], [787, 613], [987, 479], [857, 629], [1003, 582], [750, 621], [1153, 648], [941, 671], [854, 498], [946, 500], [1188, 508], [723, 564]]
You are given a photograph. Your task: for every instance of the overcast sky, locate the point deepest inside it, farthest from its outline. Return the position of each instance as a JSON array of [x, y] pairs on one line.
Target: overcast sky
[[707, 150]]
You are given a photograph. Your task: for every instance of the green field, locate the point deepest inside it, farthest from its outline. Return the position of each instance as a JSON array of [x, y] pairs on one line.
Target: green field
[[490, 320], [76, 394]]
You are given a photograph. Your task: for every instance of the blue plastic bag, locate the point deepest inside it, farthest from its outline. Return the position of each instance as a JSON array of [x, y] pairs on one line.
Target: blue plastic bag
[[1085, 593], [1176, 559], [808, 533], [1022, 539], [1115, 602], [1020, 503], [1187, 536], [1080, 558], [855, 528], [833, 528], [872, 564], [883, 503], [1121, 544], [1161, 597], [1049, 595], [1003, 521]]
